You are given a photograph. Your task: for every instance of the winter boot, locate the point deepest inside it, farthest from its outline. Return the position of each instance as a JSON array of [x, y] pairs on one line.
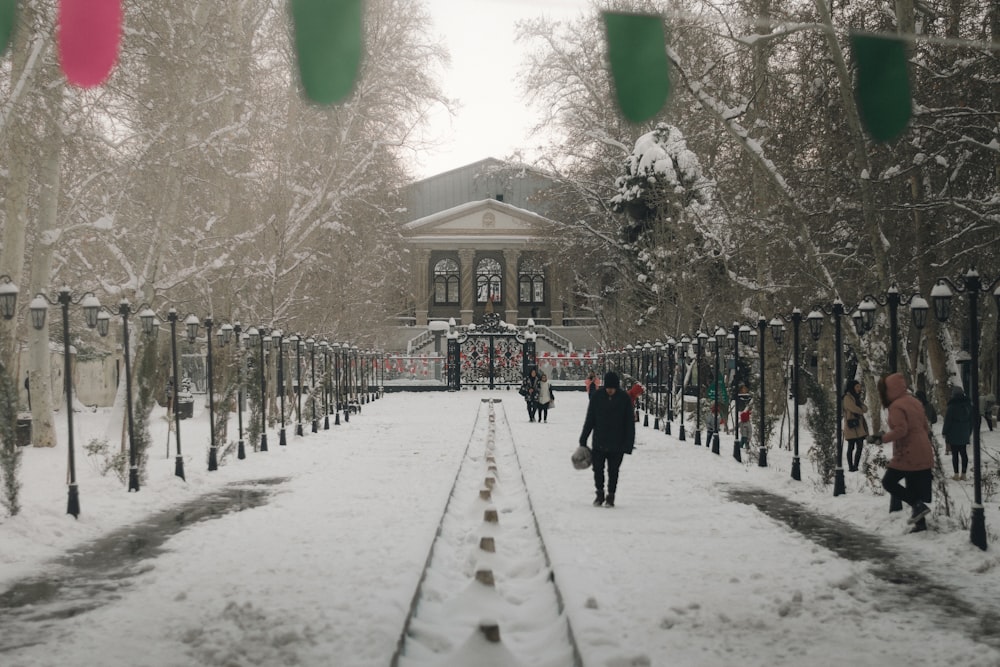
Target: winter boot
[[610, 500], [956, 477], [599, 500], [962, 477], [920, 510]]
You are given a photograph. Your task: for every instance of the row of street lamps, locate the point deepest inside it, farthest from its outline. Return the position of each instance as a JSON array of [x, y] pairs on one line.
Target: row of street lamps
[[641, 359], [349, 374]]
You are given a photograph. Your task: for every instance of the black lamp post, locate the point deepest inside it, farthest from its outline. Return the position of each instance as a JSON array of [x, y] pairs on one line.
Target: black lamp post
[[213, 456], [311, 348], [150, 325], [259, 339], [762, 344], [336, 381], [39, 307], [741, 334], [327, 383], [241, 342], [124, 309], [684, 350], [295, 345], [866, 312], [671, 347], [348, 380], [711, 349], [279, 345], [701, 339], [972, 285], [324, 347], [645, 352], [658, 355], [720, 340], [778, 332], [356, 364]]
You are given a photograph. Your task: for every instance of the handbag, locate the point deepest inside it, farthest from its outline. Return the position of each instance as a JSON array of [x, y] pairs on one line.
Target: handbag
[[581, 458], [853, 423]]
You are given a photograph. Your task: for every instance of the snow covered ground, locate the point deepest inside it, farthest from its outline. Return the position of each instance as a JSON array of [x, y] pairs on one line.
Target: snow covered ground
[[324, 572]]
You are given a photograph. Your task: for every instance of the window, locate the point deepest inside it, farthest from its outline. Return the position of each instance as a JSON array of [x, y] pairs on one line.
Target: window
[[531, 281], [446, 281], [489, 277]]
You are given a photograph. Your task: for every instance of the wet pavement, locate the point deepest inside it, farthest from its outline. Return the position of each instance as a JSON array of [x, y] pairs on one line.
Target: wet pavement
[[894, 581], [98, 572]]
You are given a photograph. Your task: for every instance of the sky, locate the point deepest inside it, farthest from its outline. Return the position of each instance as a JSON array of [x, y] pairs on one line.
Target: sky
[[325, 571], [492, 121]]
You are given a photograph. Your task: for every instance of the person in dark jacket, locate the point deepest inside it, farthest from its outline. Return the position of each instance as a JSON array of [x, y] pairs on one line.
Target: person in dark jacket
[[529, 389], [958, 430], [855, 426], [610, 419]]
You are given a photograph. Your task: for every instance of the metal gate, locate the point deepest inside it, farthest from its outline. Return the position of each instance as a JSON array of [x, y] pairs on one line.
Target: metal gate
[[490, 355]]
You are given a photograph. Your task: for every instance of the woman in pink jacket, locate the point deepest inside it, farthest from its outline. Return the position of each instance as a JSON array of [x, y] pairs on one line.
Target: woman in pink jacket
[[912, 454]]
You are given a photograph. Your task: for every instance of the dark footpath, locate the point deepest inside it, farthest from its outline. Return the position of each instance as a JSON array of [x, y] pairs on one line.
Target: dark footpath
[[896, 584], [99, 571]]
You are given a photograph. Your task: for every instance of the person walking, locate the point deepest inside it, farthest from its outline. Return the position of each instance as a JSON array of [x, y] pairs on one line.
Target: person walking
[[610, 419], [855, 426], [746, 428], [711, 425], [545, 398], [529, 389], [912, 455], [591, 384], [957, 430], [987, 402]]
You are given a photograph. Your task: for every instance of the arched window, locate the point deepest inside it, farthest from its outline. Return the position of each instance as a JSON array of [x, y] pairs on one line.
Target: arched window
[[446, 281], [489, 278], [531, 281]]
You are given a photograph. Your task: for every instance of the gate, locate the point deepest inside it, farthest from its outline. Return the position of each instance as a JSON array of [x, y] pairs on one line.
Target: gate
[[490, 355]]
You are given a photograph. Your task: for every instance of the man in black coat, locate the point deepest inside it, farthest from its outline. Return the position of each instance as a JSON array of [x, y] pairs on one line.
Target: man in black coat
[[610, 418]]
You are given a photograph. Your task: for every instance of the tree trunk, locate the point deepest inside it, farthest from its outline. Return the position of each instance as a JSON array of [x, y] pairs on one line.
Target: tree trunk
[[39, 364], [17, 135]]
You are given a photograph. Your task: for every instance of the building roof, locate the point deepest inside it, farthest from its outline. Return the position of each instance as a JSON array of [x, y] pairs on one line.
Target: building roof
[[490, 178]]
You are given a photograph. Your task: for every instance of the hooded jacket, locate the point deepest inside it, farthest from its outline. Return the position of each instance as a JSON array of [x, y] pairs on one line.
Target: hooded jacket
[[908, 428]]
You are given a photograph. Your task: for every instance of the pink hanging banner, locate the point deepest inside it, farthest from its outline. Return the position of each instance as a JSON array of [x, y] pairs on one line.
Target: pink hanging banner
[[89, 32]]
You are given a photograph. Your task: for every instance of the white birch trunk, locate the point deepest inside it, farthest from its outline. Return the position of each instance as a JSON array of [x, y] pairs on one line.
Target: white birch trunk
[[46, 226]]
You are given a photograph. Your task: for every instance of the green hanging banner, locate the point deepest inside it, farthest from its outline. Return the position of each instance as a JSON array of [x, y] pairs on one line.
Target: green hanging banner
[[328, 44], [638, 57], [883, 87], [8, 18]]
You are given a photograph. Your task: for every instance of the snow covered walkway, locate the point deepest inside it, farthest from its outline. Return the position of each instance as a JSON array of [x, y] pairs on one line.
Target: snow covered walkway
[[324, 571]]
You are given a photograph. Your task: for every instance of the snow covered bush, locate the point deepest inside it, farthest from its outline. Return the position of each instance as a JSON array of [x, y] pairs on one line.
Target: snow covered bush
[[821, 420], [104, 461]]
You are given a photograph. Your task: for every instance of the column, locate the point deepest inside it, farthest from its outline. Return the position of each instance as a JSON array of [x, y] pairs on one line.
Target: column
[[467, 286], [510, 297], [553, 292], [421, 291]]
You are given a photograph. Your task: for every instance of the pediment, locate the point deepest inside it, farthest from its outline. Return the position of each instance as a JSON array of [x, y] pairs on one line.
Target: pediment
[[481, 218]]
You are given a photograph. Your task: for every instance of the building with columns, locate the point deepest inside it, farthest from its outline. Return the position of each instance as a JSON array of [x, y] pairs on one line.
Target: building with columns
[[479, 238]]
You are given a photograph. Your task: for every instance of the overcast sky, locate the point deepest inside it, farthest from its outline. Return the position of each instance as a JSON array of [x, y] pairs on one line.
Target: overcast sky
[[492, 121]]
